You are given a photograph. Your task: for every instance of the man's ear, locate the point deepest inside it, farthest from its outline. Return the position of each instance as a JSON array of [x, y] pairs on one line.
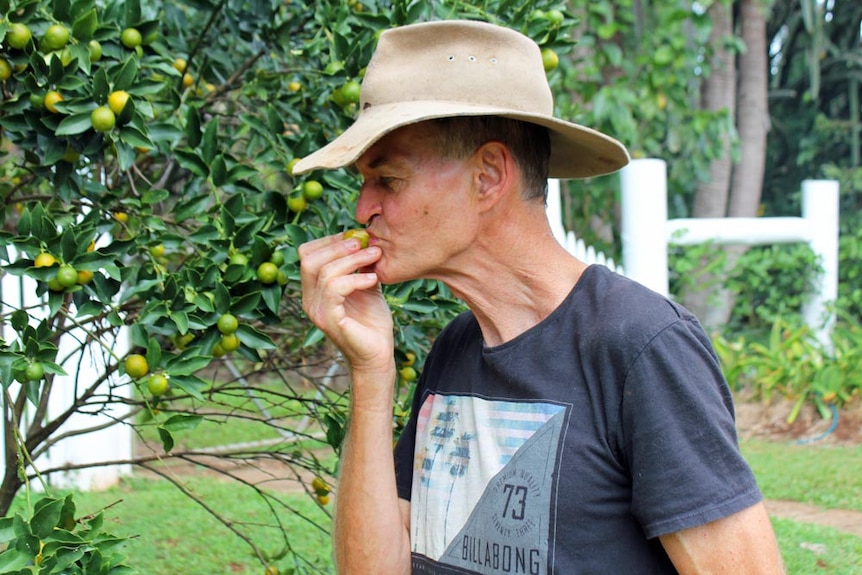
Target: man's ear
[[495, 173]]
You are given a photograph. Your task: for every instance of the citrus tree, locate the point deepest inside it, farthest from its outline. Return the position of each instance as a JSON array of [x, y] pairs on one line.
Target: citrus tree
[[146, 190]]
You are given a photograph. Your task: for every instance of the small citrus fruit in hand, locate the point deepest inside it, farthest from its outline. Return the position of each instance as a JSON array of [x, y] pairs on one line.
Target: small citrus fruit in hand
[[227, 324], [360, 234], [267, 272], [157, 384], [136, 366]]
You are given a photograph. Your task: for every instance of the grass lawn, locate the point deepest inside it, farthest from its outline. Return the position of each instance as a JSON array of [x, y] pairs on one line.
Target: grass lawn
[[824, 475], [176, 536], [171, 534]]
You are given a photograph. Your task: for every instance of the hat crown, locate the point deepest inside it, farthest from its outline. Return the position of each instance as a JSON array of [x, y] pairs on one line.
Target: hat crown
[[457, 61]]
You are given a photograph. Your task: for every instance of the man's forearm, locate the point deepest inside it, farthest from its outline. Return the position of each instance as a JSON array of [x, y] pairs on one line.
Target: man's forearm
[[371, 532]]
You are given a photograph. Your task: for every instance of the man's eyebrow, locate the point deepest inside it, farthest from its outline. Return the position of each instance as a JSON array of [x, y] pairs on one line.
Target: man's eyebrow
[[382, 161]]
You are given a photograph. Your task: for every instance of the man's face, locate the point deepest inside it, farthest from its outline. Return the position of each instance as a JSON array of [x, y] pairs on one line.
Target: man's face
[[417, 205]]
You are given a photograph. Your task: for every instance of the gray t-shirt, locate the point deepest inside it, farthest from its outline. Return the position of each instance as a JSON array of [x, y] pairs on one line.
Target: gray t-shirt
[[572, 447]]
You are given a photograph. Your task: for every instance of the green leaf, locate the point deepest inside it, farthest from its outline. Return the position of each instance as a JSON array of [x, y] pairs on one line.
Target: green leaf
[[313, 337], [272, 297], [101, 86], [74, 124], [135, 137], [219, 171], [133, 12], [193, 127], [190, 384], [12, 560], [84, 26], [154, 196], [7, 531], [189, 160], [209, 144], [46, 516], [167, 439], [182, 422], [254, 338], [125, 78], [187, 364]]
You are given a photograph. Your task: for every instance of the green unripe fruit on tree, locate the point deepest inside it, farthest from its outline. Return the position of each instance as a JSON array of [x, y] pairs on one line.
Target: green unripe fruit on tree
[[67, 276], [227, 324], [229, 342], [157, 384], [103, 119], [267, 272], [131, 38], [56, 37], [34, 371], [18, 35], [136, 366], [95, 50]]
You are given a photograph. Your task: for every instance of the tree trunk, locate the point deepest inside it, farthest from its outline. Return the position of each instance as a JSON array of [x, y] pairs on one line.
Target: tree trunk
[[711, 197], [753, 112], [752, 121]]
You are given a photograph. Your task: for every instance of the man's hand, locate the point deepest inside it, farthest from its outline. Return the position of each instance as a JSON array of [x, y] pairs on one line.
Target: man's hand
[[345, 302]]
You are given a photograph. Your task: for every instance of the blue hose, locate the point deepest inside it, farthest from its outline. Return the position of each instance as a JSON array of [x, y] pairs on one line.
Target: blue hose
[[828, 431]]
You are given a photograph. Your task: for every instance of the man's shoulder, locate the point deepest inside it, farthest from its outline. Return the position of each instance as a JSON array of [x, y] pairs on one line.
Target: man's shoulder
[[614, 296]]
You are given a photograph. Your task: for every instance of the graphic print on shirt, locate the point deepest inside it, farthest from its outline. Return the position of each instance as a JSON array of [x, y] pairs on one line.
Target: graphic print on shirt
[[483, 484]]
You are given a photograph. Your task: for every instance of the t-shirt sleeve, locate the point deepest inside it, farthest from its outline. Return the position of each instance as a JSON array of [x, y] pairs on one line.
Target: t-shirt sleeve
[[678, 435]]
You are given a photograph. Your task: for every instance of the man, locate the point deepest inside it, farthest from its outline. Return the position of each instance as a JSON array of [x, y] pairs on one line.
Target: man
[[572, 421]]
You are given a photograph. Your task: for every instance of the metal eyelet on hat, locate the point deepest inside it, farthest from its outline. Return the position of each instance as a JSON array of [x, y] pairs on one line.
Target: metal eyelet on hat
[[451, 58], [493, 60], [471, 58]]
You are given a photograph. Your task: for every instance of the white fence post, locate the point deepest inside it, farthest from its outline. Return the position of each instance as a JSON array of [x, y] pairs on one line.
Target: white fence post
[[646, 233], [644, 217], [820, 208]]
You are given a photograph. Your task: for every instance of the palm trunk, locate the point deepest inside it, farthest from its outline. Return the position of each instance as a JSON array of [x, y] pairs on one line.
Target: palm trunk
[[711, 197]]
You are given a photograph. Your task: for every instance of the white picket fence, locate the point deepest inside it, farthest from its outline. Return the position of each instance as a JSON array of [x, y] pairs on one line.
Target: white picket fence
[[95, 433], [647, 233], [574, 245]]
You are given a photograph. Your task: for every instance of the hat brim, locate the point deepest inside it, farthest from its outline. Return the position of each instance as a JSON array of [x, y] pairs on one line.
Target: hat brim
[[576, 151]]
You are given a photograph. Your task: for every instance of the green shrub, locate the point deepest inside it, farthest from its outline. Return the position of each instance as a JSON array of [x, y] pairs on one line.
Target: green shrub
[[792, 363]]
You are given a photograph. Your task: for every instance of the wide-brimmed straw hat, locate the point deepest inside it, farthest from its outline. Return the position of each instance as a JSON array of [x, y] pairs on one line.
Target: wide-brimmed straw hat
[[463, 68]]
